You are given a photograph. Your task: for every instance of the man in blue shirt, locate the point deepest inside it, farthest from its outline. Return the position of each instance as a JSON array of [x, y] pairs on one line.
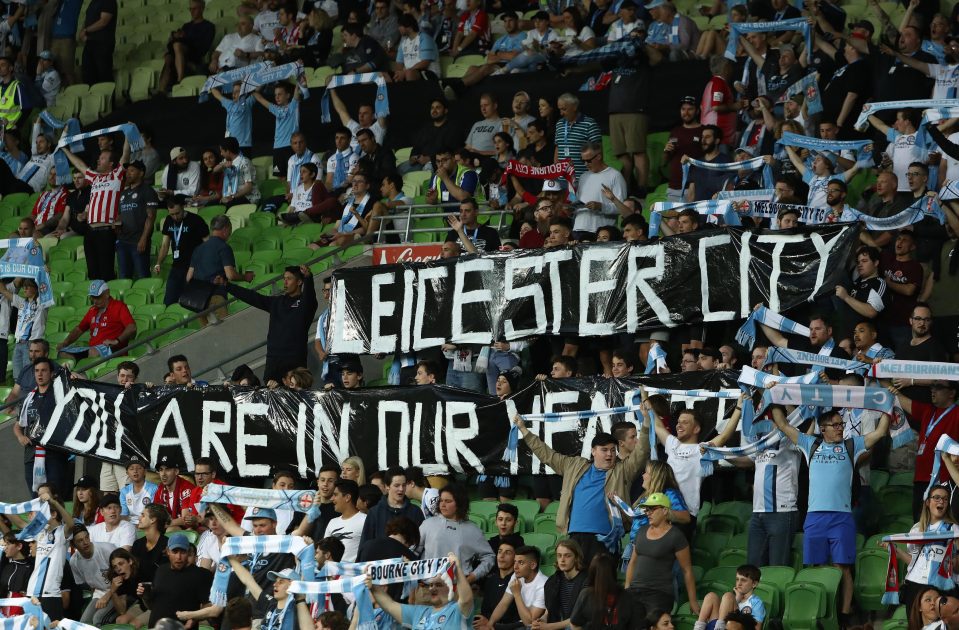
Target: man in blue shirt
[[239, 116], [417, 57], [441, 613], [829, 530], [213, 262], [504, 49], [286, 109]]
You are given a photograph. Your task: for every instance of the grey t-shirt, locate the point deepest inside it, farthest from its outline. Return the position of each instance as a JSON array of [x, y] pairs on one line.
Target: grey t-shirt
[[655, 558]]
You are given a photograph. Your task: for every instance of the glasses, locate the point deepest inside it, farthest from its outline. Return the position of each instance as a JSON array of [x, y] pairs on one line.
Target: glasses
[[833, 191], [651, 508], [921, 319], [914, 174], [938, 498], [433, 586], [197, 473], [834, 425]]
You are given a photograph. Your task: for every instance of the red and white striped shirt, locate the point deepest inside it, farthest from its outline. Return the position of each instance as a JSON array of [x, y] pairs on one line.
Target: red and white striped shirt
[[104, 195], [49, 204]]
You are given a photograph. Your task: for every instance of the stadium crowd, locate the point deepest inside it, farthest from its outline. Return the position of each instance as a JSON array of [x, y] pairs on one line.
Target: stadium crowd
[[140, 546]]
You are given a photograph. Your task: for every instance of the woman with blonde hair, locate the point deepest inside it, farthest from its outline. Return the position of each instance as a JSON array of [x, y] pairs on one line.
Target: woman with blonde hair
[[353, 468], [923, 560]]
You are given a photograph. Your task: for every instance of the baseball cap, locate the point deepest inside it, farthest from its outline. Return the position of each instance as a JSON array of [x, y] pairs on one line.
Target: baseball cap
[[656, 499], [746, 150], [786, 48], [627, 4], [178, 542], [286, 574], [110, 499], [259, 512], [86, 481], [863, 24], [689, 100], [46, 54], [552, 185], [97, 288], [167, 462], [176, 152], [135, 459], [655, 3]]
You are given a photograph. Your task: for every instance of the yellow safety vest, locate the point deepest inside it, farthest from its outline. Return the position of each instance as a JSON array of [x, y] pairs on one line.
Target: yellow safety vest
[[9, 108]]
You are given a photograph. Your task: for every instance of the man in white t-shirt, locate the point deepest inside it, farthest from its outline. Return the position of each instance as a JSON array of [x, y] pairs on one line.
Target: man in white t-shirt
[[88, 565], [525, 589], [348, 526], [417, 488], [282, 480], [237, 50], [902, 149], [682, 454], [138, 493], [267, 21], [113, 529], [598, 181], [365, 119]]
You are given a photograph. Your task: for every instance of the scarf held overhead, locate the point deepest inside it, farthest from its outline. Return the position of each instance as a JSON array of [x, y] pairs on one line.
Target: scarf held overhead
[[737, 29], [129, 130], [381, 105], [230, 77], [940, 572], [296, 500], [709, 208], [272, 74], [560, 170], [731, 167], [257, 546]]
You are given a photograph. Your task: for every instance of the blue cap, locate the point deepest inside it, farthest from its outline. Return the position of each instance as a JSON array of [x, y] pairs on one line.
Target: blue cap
[[655, 3], [97, 287], [259, 512], [286, 574], [178, 541]]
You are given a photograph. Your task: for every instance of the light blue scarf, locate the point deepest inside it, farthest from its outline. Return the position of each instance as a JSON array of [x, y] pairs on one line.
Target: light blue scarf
[[736, 29], [710, 207], [746, 335], [272, 74], [230, 77], [381, 105], [732, 167], [129, 130]]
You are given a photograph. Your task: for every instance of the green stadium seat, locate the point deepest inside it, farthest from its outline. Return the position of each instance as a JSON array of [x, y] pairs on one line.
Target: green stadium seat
[[896, 500], [261, 271], [477, 519], [144, 323], [263, 166], [901, 613], [299, 255], [117, 626], [262, 220], [134, 297], [241, 213], [870, 578], [149, 310], [272, 187], [771, 598], [780, 577], [878, 479], [828, 578], [151, 286], [142, 81], [209, 212], [545, 523], [731, 558], [722, 575], [739, 541], [713, 543], [179, 310], [189, 86], [805, 604], [542, 541], [485, 508], [61, 313], [352, 252], [61, 266], [267, 256], [528, 509], [655, 144], [242, 257], [721, 524], [173, 336], [551, 508], [61, 253], [79, 300], [119, 287], [92, 108], [904, 478]]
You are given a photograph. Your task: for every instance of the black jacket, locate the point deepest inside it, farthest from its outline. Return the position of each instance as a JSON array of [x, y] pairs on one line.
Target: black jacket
[[290, 318]]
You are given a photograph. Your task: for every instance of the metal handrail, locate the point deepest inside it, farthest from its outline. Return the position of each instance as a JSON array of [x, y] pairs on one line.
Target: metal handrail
[[500, 213]]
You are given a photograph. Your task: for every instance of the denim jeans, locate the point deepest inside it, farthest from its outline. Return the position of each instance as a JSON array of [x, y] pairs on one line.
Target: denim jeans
[[465, 380], [498, 362], [131, 263], [771, 538], [21, 357]]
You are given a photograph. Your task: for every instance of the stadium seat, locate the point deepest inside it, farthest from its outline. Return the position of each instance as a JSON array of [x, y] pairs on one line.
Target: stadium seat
[[150, 310], [119, 287], [263, 167], [242, 213], [721, 523], [487, 509], [152, 286], [189, 86], [528, 509], [722, 575], [731, 558], [896, 500], [134, 297], [878, 479], [805, 604], [545, 523], [142, 81], [261, 220], [777, 576], [542, 541], [478, 519], [712, 543], [267, 256], [771, 598], [92, 108], [904, 478], [828, 578], [299, 255], [870, 578], [173, 337]]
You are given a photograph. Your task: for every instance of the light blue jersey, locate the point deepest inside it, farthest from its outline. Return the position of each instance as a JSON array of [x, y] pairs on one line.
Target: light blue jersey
[[448, 617], [287, 123], [830, 467], [754, 606], [239, 119]]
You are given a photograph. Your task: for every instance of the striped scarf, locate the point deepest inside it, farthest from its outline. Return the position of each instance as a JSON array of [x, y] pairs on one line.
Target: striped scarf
[[348, 221], [656, 359], [938, 114], [830, 396], [771, 210], [709, 208], [894, 368], [230, 77], [257, 546], [746, 335], [272, 74], [296, 500], [713, 454], [940, 572], [381, 104], [41, 516], [763, 194], [70, 624], [743, 165], [24, 259], [612, 538], [862, 123], [755, 378], [129, 130], [831, 148], [785, 355], [736, 29], [39, 465], [925, 206], [49, 124]]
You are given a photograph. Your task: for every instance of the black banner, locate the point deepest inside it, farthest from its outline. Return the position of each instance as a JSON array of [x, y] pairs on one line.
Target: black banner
[[252, 432], [584, 290]]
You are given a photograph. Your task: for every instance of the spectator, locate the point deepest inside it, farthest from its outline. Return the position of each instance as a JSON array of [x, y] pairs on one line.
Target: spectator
[[121, 577], [582, 510], [341, 161], [416, 484], [267, 20], [657, 548], [658, 478], [301, 157], [568, 579], [286, 111], [903, 149], [149, 550], [310, 201], [718, 105], [16, 566], [505, 48], [362, 53], [480, 138], [829, 530], [211, 181], [181, 176], [178, 585], [238, 49], [396, 504], [704, 183], [99, 38], [11, 94], [187, 47], [524, 590], [137, 494], [63, 37], [113, 530], [89, 566], [86, 501], [742, 599], [50, 206], [213, 262], [239, 116], [626, 23], [51, 555], [449, 185], [896, 80], [173, 492], [440, 605], [186, 231], [673, 34], [282, 605], [431, 138], [573, 131], [31, 320], [110, 324], [604, 603], [473, 33], [494, 586], [376, 162], [450, 530], [284, 480], [594, 183], [100, 212], [239, 179], [138, 204], [683, 454], [683, 140], [417, 57], [366, 119], [383, 26], [36, 171], [507, 517], [348, 526], [178, 369], [868, 296], [322, 511], [482, 237]]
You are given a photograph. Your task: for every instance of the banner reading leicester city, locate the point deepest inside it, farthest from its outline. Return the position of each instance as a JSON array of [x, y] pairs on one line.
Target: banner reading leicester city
[[584, 290], [252, 432]]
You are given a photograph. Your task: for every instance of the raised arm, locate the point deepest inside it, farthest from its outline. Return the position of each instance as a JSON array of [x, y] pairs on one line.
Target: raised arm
[[226, 521], [457, 225], [797, 162], [779, 418], [244, 575], [125, 155], [261, 99], [752, 52], [881, 429], [730, 428], [77, 163], [340, 108], [880, 126], [384, 601]]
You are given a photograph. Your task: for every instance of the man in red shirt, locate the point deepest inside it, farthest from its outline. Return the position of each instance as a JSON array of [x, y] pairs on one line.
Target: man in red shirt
[[204, 473], [106, 183], [50, 206], [719, 107], [473, 34], [683, 140], [174, 492], [930, 422], [110, 324]]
